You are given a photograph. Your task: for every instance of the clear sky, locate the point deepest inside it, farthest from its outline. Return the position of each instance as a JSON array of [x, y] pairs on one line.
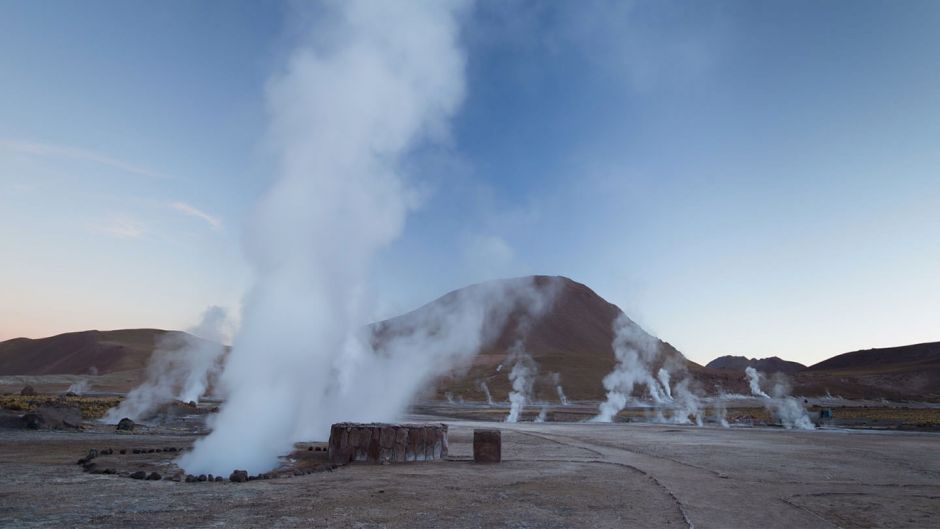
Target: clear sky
[[758, 178]]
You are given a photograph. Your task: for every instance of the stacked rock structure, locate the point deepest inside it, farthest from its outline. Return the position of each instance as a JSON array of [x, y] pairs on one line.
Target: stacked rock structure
[[380, 443]]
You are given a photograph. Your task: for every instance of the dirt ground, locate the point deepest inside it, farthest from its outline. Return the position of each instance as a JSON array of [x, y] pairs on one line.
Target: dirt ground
[[553, 475]]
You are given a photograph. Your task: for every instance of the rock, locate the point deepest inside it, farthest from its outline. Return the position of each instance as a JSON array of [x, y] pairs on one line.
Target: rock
[[32, 421], [90, 467], [82, 461], [125, 425], [122, 451], [211, 477], [154, 477], [135, 451], [239, 476], [190, 478], [202, 477], [28, 391], [218, 478], [140, 474], [93, 453], [487, 446]]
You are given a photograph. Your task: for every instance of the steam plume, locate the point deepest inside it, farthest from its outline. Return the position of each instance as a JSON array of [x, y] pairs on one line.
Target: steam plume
[[663, 376], [522, 377], [79, 388], [556, 378], [486, 391], [378, 81], [181, 368], [788, 410], [753, 379], [634, 350]]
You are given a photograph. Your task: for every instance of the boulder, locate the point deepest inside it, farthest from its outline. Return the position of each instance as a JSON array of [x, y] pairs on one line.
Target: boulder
[[125, 425], [140, 474], [154, 477], [239, 476], [32, 421], [54, 416], [28, 391]]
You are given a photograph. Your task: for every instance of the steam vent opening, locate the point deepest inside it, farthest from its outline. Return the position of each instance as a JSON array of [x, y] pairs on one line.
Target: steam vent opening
[[379, 443]]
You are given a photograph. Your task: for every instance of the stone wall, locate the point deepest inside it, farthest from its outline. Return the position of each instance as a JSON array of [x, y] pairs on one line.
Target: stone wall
[[391, 443]]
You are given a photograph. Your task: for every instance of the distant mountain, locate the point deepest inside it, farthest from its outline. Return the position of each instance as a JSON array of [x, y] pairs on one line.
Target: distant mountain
[[80, 353], [905, 372], [766, 365], [570, 343]]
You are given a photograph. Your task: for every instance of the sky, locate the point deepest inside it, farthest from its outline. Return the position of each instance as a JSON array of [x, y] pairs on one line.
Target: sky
[[754, 178]]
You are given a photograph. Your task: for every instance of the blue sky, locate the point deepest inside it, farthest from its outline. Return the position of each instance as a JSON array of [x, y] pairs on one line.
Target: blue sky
[[750, 178]]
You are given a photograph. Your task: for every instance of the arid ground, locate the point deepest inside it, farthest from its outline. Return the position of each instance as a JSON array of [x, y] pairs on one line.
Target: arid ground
[[552, 475]]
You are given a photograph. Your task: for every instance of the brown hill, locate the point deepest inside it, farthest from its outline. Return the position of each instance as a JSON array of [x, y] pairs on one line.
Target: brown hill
[[80, 353], [570, 343], [766, 365], [907, 372]]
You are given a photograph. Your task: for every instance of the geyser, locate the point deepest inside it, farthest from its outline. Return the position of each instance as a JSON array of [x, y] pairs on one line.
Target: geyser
[[372, 82]]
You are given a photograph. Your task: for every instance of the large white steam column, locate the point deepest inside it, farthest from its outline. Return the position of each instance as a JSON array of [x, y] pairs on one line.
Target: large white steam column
[[374, 81]]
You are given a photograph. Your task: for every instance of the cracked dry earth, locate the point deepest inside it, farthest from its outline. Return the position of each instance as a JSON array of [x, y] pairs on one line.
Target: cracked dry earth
[[553, 475]]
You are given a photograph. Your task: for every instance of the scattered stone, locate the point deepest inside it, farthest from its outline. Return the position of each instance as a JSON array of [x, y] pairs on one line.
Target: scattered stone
[[28, 391], [136, 451], [218, 478], [140, 474], [190, 478], [202, 477], [154, 477], [109, 471], [122, 451], [239, 476], [151, 450], [125, 425]]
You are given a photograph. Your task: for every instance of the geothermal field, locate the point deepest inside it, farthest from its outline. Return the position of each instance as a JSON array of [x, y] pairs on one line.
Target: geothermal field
[[522, 264], [532, 427], [551, 474]]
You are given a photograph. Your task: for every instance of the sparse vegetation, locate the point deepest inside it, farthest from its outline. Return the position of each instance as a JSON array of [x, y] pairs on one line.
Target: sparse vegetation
[[91, 407]]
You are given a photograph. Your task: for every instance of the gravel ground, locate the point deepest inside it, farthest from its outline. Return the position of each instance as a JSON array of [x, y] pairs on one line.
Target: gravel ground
[[553, 475]]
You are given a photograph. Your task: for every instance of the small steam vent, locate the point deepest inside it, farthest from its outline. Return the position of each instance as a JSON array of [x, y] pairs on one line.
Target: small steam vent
[[380, 443]]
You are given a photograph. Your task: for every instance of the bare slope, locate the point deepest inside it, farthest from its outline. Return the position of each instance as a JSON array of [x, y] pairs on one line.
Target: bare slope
[[571, 339], [79, 353], [905, 372]]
